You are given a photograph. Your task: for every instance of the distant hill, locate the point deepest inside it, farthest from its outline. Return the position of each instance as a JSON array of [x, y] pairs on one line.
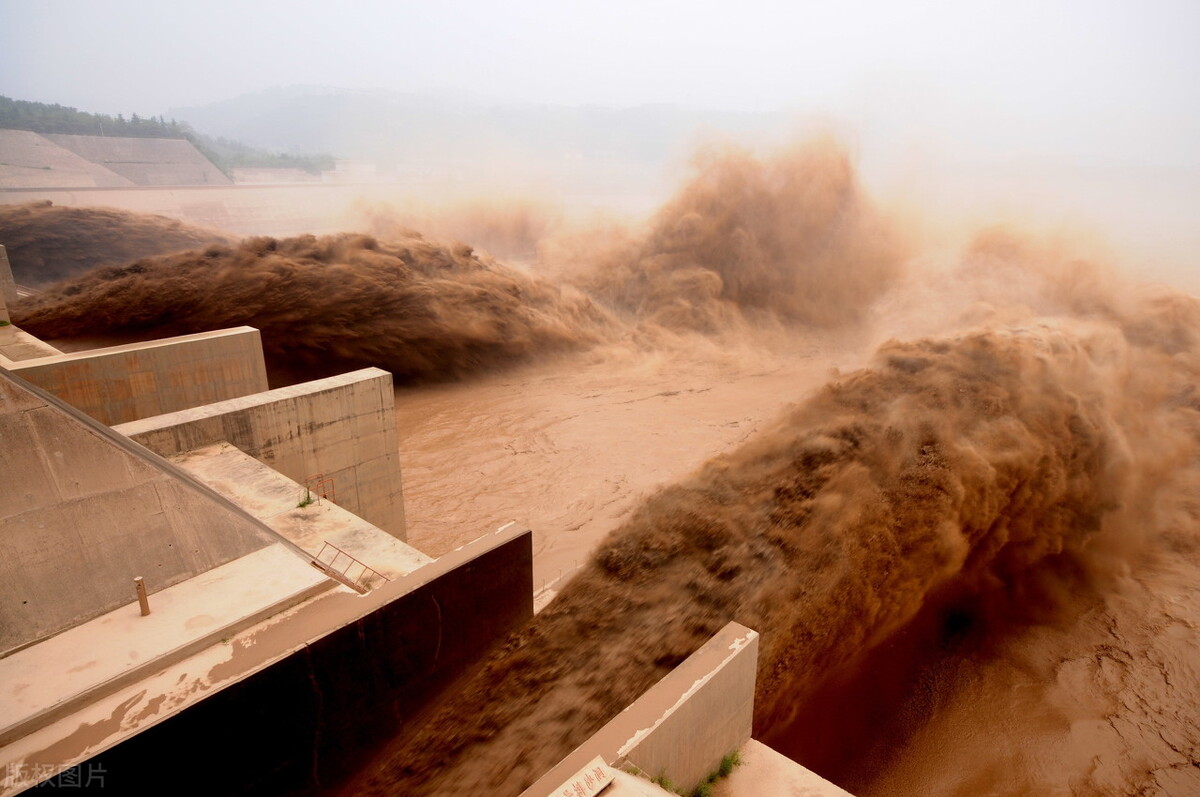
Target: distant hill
[[389, 126]]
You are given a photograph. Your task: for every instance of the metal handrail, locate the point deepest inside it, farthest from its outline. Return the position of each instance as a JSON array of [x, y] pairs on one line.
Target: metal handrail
[[322, 487]]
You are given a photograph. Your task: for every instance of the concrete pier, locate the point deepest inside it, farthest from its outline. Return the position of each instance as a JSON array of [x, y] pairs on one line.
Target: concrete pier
[[138, 380], [343, 427]]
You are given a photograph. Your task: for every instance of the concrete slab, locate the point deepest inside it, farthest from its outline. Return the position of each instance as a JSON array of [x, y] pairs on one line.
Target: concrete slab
[[683, 725], [17, 345], [764, 771], [626, 785], [144, 161], [343, 427], [8, 288], [598, 777], [30, 160], [52, 678], [83, 510], [137, 380], [273, 498], [164, 691]]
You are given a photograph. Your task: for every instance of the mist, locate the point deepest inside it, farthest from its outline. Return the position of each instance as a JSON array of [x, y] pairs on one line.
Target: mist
[[1021, 441], [977, 224], [1004, 473], [1071, 113]]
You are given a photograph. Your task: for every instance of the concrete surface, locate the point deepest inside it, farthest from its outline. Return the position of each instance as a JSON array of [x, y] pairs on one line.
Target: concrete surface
[[123, 383], [343, 427], [294, 702], [274, 498], [8, 288], [31, 160], [626, 785], [763, 771], [267, 175], [598, 777], [144, 161], [17, 345], [83, 511], [111, 650], [711, 719], [682, 726]]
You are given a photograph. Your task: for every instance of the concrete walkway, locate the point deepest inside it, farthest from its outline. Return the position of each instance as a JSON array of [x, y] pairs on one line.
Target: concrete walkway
[[764, 771], [17, 345], [104, 654], [274, 499]]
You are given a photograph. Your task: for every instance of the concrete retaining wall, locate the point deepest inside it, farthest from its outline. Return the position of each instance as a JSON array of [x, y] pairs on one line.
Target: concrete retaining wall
[[8, 288], [83, 512], [343, 427], [144, 161], [138, 380], [305, 721], [684, 725], [31, 160]]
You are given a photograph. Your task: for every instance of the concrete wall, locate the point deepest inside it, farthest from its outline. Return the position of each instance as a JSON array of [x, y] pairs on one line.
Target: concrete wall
[[343, 427], [138, 380], [144, 161], [308, 720], [17, 345], [83, 511], [31, 160], [714, 718], [685, 724], [8, 288]]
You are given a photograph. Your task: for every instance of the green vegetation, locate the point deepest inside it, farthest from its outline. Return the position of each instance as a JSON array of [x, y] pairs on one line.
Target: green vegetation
[[306, 500], [664, 782], [705, 789], [3, 323], [225, 154], [228, 155], [42, 118]]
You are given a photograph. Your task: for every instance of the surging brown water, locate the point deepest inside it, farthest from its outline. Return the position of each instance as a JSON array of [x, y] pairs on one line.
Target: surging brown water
[[993, 473], [47, 243], [986, 483], [792, 237], [421, 310]]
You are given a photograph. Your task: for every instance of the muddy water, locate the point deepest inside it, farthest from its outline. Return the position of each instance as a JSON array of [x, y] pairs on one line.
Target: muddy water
[[1106, 704], [569, 448], [1103, 701]]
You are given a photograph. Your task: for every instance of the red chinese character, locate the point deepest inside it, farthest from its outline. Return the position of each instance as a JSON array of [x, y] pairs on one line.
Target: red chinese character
[[599, 773], [579, 789]]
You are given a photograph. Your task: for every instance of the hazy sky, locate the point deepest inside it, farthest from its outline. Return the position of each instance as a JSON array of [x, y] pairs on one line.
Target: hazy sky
[[1085, 87], [128, 55]]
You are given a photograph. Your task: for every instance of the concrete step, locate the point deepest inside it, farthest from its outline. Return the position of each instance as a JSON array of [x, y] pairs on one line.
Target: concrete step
[[276, 500], [122, 646]]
